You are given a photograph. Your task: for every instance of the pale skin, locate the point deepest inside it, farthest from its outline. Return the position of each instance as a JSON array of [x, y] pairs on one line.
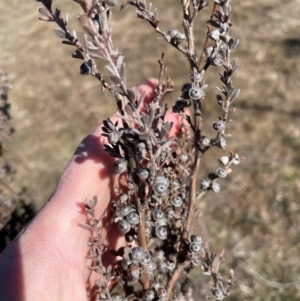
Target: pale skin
[[48, 261]]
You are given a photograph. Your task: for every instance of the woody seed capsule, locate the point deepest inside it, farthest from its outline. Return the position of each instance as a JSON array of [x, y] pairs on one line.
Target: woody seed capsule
[[158, 215], [236, 160], [219, 126], [204, 183], [146, 258], [176, 201], [221, 172], [218, 294], [224, 160], [196, 93], [137, 253], [222, 143], [161, 232], [123, 226], [204, 141], [124, 210], [195, 247], [215, 187], [120, 166], [133, 218], [196, 259], [196, 238], [143, 174]]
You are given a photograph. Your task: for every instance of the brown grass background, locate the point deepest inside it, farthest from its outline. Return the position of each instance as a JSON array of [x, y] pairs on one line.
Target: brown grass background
[[256, 217]]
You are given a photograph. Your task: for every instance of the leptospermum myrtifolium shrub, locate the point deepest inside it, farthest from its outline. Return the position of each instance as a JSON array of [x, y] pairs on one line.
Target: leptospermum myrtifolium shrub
[[156, 205]]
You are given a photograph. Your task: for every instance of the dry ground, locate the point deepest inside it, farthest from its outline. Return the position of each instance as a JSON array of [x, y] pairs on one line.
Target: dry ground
[[257, 216]]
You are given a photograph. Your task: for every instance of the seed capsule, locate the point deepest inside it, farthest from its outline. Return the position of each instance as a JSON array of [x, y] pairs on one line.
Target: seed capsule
[[146, 258], [204, 141], [224, 160], [221, 172], [158, 215], [176, 201], [137, 253], [170, 265], [120, 166], [161, 232], [219, 126], [152, 265], [143, 174], [215, 187], [133, 218], [236, 160], [196, 93], [204, 183], [222, 143], [160, 185], [196, 238], [133, 273], [196, 259], [195, 247], [124, 210], [218, 294], [124, 226]]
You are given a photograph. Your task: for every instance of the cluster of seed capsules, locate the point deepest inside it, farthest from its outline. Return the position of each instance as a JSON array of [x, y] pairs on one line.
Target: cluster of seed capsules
[[168, 203], [164, 203], [164, 224], [152, 269]]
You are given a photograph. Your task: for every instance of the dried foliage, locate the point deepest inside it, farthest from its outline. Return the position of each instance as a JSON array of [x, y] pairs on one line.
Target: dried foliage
[[155, 209]]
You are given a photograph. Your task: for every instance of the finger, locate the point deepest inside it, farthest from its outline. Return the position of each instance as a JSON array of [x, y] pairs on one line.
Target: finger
[[178, 122]]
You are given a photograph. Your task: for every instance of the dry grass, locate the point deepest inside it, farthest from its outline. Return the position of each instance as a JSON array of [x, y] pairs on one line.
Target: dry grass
[[257, 218]]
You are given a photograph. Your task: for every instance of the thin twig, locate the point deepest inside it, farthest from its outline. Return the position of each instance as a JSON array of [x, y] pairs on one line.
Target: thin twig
[[206, 39]]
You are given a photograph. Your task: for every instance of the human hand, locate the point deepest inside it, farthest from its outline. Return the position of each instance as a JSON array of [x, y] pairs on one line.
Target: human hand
[[48, 260]]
